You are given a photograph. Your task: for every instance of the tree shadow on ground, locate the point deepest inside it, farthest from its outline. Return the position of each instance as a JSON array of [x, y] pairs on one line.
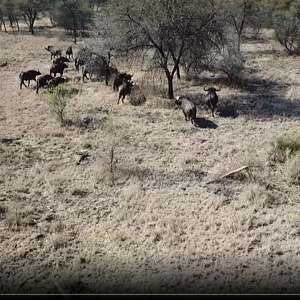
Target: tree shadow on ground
[[47, 31], [227, 111], [258, 97], [204, 123], [212, 81], [38, 30], [267, 99]]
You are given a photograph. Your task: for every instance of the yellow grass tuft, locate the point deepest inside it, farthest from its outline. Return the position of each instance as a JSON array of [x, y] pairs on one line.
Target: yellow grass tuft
[[292, 169]]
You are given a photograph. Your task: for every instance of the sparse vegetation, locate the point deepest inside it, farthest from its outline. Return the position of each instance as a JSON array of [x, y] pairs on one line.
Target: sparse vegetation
[[118, 202], [110, 153], [74, 15], [31, 10], [181, 28], [286, 147], [233, 65], [255, 194], [137, 96], [286, 28], [57, 101], [293, 169]]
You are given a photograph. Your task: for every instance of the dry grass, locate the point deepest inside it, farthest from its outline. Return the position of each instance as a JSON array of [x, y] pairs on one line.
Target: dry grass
[[293, 169], [67, 226]]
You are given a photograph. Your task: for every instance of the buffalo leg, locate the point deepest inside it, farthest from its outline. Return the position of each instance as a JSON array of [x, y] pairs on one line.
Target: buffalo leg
[[22, 82], [84, 75]]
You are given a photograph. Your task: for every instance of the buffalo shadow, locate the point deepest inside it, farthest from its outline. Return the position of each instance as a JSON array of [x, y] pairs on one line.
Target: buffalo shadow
[[204, 123]]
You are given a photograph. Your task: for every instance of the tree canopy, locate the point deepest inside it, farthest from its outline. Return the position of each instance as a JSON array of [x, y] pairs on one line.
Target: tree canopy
[[167, 30]]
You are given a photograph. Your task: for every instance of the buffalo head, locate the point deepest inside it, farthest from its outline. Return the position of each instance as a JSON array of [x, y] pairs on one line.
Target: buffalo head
[[211, 89]]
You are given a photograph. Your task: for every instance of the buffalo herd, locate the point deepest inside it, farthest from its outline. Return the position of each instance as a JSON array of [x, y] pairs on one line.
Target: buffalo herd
[[88, 65], [99, 67]]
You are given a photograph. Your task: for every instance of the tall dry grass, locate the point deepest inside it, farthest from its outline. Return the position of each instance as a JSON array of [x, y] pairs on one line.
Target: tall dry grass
[[65, 228]]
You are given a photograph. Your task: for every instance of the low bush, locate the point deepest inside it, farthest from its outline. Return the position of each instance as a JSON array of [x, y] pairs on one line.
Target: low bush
[[286, 147], [137, 96], [233, 65], [286, 27], [57, 101]]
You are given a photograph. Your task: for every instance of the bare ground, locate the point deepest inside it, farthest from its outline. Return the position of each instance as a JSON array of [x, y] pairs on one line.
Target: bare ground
[[64, 228]]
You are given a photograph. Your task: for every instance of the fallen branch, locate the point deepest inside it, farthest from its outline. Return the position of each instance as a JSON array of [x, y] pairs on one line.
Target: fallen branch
[[228, 174]]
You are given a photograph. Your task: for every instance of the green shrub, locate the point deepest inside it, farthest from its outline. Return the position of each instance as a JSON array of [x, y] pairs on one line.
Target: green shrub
[[286, 147], [287, 31], [57, 101], [233, 65]]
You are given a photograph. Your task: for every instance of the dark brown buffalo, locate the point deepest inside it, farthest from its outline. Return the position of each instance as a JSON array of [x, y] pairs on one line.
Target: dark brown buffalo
[[211, 99], [43, 81], [28, 75], [119, 80], [125, 90], [58, 68], [53, 51], [69, 52]]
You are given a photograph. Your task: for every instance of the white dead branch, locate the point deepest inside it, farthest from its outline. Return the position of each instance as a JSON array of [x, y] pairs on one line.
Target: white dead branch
[[230, 173]]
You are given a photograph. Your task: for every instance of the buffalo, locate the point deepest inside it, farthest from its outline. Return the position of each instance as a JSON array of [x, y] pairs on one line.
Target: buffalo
[[125, 90], [59, 68], [60, 59], [79, 62], [55, 81], [28, 75], [69, 52], [188, 108], [88, 69], [119, 80], [211, 99], [43, 81], [53, 51], [100, 70]]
